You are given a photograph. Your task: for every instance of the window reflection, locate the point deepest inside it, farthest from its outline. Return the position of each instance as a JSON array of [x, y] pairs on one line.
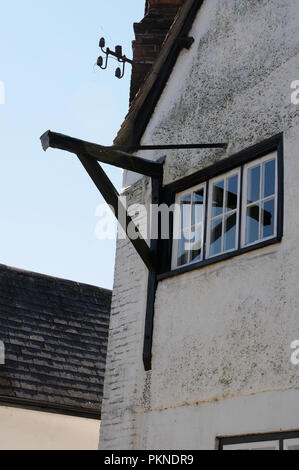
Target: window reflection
[[216, 237], [189, 245], [253, 192], [197, 207], [268, 218], [230, 230], [185, 211], [223, 223], [183, 249], [217, 204], [232, 193], [255, 221], [269, 178], [252, 224], [260, 216], [196, 244]]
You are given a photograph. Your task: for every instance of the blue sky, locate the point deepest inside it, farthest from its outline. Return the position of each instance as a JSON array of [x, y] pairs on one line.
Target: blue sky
[[47, 201]]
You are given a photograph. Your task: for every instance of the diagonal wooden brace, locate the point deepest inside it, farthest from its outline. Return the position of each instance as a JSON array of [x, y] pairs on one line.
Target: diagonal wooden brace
[[112, 198]]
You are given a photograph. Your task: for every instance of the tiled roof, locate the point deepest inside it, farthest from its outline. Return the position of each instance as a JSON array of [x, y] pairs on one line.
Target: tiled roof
[[55, 335]]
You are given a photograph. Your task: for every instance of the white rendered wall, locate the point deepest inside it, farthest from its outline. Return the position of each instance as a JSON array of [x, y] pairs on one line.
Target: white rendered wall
[[222, 333]]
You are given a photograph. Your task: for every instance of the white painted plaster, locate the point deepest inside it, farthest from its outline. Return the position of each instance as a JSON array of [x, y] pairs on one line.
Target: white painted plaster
[[255, 414], [222, 334], [22, 429]]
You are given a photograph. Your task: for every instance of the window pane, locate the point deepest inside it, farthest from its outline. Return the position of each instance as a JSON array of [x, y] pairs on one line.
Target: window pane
[[291, 444], [252, 224], [253, 193], [217, 204], [232, 193], [197, 207], [185, 211], [263, 448], [196, 243], [183, 247], [216, 237], [269, 178], [268, 218], [230, 230], [265, 445]]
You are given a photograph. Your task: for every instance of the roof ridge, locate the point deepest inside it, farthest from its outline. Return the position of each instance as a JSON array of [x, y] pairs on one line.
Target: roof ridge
[[48, 276]]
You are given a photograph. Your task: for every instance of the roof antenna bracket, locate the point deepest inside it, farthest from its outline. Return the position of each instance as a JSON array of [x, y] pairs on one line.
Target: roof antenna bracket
[[117, 53]]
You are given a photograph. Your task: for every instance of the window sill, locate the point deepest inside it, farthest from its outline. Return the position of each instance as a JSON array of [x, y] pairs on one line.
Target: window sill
[[216, 259]]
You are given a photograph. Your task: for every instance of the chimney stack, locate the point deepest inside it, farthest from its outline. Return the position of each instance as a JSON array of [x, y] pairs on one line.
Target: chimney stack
[[150, 34]]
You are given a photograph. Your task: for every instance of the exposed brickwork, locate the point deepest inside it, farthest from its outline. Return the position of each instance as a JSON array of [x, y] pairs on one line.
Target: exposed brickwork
[[121, 389], [150, 34]]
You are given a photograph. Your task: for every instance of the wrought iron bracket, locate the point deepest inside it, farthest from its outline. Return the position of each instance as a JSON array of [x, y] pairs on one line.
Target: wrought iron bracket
[[118, 54]]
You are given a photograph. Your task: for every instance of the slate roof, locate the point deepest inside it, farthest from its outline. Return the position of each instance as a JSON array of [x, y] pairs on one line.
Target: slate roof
[[55, 334]]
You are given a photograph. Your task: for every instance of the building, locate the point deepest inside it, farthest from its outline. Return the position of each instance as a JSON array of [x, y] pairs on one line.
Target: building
[[199, 351], [53, 334]]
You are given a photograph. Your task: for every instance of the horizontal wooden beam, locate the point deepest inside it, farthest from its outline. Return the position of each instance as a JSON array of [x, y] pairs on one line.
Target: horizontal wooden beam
[[105, 155], [111, 196]]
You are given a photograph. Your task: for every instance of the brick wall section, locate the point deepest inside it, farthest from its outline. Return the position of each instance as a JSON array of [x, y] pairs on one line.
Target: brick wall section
[[150, 34]]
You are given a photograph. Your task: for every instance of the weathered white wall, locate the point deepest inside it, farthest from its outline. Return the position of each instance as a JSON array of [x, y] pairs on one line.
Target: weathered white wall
[[34, 430], [196, 426], [222, 333]]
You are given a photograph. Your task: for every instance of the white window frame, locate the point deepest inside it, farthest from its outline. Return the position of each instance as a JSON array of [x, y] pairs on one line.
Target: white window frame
[[290, 442], [279, 441], [223, 176], [177, 224], [241, 211], [245, 205], [259, 445]]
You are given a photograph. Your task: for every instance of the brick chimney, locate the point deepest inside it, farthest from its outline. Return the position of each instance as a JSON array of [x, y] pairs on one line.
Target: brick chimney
[[150, 34]]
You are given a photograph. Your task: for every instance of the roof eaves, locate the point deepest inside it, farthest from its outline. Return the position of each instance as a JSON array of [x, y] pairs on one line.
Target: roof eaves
[[56, 408], [145, 101]]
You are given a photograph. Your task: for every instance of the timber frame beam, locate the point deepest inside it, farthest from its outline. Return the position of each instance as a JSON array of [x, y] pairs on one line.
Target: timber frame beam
[[123, 160], [90, 155], [111, 196]]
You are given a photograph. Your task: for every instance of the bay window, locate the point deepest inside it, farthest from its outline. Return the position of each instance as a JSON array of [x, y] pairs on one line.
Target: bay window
[[232, 207]]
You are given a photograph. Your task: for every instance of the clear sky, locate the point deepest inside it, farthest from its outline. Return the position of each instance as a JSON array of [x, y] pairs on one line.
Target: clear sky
[[47, 201]]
